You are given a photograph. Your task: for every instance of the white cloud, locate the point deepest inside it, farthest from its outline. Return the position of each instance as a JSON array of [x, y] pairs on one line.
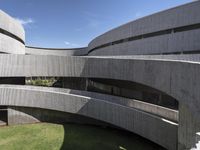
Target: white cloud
[[67, 43], [25, 21], [70, 44], [138, 14]]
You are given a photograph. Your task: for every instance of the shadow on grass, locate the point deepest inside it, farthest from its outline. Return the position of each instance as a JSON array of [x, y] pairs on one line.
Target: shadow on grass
[[88, 137]]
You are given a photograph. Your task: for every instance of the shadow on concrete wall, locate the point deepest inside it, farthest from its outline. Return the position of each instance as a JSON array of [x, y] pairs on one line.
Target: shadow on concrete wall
[[175, 79]]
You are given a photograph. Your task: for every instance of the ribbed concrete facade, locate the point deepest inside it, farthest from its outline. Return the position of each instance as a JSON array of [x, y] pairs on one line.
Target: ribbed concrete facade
[[125, 76], [12, 35], [170, 31]]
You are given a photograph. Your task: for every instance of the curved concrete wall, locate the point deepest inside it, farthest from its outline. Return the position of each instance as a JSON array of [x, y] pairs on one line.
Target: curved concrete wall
[[19, 65], [179, 79], [56, 52], [10, 45], [11, 25], [173, 30], [178, 19], [177, 42], [125, 117], [181, 57], [132, 103], [12, 35]]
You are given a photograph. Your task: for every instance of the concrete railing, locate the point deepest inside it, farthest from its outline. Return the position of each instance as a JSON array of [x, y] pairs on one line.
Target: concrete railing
[[149, 126], [132, 103]]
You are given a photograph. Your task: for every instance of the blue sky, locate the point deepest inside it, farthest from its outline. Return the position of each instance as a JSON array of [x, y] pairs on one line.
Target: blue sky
[[74, 23]]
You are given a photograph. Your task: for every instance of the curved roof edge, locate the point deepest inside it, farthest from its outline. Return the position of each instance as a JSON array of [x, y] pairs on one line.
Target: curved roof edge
[[46, 48], [56, 51], [141, 18]]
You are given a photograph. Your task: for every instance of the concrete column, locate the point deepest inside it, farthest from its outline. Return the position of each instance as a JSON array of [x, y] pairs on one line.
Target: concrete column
[[188, 130]]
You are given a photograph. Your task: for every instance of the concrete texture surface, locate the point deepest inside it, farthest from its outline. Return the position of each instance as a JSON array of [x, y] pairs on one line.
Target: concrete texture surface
[[176, 42], [176, 75], [11, 25], [172, 77], [132, 103], [153, 128], [12, 35], [10, 45], [180, 16]]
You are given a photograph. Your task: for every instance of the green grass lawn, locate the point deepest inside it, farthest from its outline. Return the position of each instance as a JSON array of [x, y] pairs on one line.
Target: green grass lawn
[[45, 136]]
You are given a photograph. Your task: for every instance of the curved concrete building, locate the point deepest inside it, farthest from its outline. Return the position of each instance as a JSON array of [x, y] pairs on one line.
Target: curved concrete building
[[142, 77], [12, 35], [172, 31], [55, 51]]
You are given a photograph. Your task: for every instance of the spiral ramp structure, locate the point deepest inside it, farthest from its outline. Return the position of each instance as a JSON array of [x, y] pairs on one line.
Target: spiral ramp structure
[[142, 77]]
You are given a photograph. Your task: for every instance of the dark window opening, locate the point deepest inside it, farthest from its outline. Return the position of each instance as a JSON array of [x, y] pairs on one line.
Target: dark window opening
[[3, 115]]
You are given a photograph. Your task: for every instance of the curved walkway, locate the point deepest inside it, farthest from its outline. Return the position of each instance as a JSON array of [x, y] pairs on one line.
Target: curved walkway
[[149, 126], [179, 79]]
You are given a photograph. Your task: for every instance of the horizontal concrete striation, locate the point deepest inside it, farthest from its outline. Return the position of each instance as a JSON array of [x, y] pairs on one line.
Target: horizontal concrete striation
[[34, 115], [174, 17], [11, 45], [12, 35], [151, 127], [56, 51], [179, 79], [116, 68], [11, 25], [182, 16], [132, 103], [170, 57], [176, 30], [109, 67], [177, 42]]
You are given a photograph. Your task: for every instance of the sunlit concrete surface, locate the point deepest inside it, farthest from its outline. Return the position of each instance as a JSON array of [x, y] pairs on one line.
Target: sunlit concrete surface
[[160, 51]]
